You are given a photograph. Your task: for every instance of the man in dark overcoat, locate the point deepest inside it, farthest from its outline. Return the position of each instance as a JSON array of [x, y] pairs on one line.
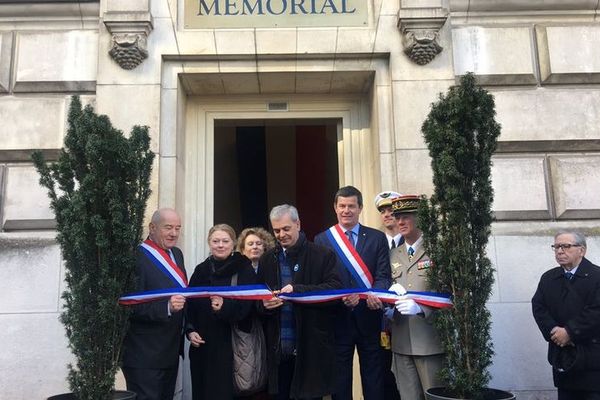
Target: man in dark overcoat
[[300, 337], [154, 340], [566, 307]]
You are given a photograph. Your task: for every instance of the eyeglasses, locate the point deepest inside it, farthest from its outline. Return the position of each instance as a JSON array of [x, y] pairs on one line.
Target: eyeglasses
[[565, 246]]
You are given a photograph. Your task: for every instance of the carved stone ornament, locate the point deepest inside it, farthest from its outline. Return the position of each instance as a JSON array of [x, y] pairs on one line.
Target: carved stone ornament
[[421, 46], [129, 49], [129, 32], [420, 27]]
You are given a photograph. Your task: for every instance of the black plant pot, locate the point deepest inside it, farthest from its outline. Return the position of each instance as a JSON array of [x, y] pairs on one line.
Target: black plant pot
[[116, 395], [441, 393]]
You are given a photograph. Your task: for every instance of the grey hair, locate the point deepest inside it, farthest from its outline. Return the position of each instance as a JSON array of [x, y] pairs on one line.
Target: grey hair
[[158, 215], [278, 212], [579, 238]]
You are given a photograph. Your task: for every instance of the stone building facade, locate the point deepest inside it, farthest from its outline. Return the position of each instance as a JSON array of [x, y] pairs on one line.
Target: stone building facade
[[342, 97]]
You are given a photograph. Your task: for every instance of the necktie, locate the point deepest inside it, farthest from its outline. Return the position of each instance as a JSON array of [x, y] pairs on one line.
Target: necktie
[[350, 237], [569, 275], [392, 244], [411, 253]]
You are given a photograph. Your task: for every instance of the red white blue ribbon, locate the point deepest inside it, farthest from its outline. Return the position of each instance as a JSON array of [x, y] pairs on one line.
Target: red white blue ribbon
[[164, 262], [261, 292], [243, 292], [349, 256]]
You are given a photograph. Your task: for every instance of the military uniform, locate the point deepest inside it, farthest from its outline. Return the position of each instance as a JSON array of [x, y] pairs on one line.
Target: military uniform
[[418, 354]]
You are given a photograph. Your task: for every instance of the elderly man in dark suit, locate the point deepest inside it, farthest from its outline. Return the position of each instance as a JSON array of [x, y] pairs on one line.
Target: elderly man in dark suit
[[154, 340], [566, 307], [362, 261]]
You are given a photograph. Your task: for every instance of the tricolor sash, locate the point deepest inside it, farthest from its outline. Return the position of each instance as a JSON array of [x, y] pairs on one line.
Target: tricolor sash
[[163, 262], [262, 292], [349, 257]]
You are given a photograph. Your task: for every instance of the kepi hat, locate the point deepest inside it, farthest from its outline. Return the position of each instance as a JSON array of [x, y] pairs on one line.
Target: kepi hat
[[406, 204], [384, 199]]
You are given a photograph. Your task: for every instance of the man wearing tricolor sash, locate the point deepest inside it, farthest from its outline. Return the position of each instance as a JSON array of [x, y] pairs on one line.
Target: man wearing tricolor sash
[[416, 347], [154, 341], [362, 262]]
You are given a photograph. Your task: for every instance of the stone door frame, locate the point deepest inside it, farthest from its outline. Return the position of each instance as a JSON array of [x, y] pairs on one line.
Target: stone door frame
[[365, 137]]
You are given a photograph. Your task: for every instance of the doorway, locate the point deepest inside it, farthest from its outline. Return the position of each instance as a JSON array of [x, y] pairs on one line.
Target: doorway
[[259, 164]]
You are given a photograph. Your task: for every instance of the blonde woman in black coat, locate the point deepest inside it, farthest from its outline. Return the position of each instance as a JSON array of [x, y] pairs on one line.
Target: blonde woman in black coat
[[209, 320]]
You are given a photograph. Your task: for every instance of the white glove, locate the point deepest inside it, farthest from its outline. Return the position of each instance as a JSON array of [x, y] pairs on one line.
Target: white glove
[[398, 288], [407, 306]]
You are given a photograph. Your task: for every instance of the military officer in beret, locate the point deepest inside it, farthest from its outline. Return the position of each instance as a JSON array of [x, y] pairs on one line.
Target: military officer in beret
[[416, 347]]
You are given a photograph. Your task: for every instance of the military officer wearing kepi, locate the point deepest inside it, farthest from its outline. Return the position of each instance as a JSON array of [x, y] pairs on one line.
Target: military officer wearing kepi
[[391, 228], [566, 307], [416, 347]]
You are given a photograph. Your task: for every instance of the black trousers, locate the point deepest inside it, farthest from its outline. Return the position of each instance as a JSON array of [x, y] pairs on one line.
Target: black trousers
[[286, 374], [369, 356], [564, 394], [151, 384]]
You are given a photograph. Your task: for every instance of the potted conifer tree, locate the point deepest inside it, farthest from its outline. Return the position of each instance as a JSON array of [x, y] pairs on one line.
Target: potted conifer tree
[[461, 134], [98, 190]]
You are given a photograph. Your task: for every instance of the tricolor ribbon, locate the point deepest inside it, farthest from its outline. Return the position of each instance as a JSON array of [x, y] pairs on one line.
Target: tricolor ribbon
[[262, 292], [349, 256], [244, 292]]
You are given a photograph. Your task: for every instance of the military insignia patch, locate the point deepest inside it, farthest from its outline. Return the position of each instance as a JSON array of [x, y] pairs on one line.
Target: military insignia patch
[[425, 264]]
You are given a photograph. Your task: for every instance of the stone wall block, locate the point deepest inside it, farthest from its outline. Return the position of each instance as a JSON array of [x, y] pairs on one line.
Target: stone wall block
[[28, 370], [56, 61], [355, 40], [316, 40], [235, 41], [197, 42], [33, 264], [497, 56], [414, 160], [26, 204], [276, 41], [520, 350], [127, 5], [521, 261], [511, 178], [32, 123], [575, 186], [388, 38], [565, 114], [569, 54], [140, 105], [411, 105], [6, 39]]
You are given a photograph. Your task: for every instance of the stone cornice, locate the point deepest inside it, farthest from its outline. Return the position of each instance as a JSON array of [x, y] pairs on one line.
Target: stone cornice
[[49, 15], [490, 12], [514, 6]]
